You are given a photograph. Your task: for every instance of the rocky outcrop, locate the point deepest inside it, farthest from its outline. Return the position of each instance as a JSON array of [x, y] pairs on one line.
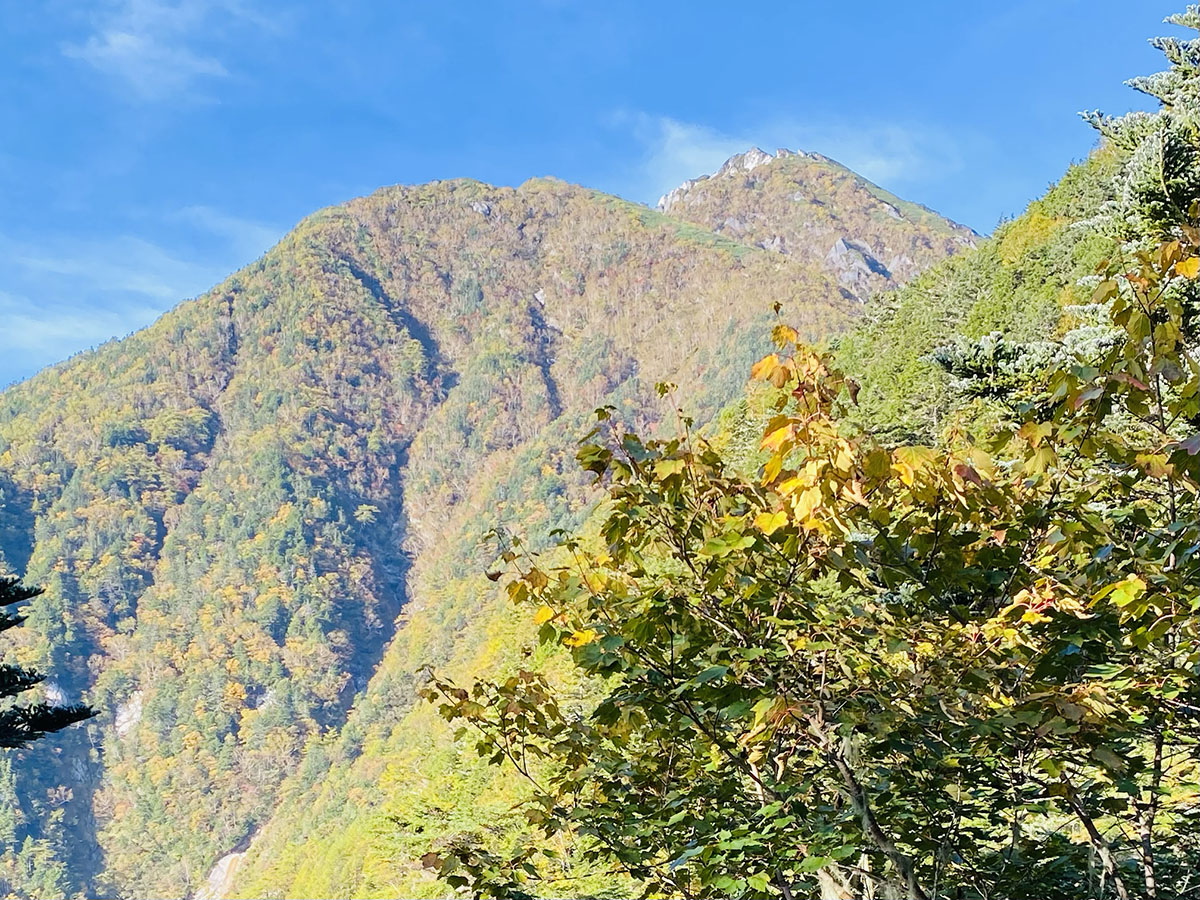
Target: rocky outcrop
[[737, 164], [129, 714], [808, 206], [745, 162], [220, 879], [855, 265]]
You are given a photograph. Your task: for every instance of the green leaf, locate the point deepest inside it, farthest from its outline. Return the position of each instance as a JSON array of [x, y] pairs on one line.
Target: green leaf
[[710, 674], [687, 854], [758, 882]]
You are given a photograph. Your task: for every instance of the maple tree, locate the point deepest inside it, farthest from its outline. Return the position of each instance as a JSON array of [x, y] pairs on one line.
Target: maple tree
[[968, 667]]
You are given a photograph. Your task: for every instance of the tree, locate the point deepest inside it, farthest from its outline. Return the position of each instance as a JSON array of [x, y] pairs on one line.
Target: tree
[[968, 670], [21, 725], [911, 670]]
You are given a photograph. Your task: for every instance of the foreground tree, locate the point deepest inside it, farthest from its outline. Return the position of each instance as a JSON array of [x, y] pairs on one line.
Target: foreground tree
[[970, 670], [20, 725]]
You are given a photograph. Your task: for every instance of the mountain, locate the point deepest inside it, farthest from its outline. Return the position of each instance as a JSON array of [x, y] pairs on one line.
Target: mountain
[[397, 782], [807, 206], [259, 518]]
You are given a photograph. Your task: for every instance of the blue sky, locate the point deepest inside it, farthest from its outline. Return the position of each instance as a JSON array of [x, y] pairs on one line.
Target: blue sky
[[150, 147]]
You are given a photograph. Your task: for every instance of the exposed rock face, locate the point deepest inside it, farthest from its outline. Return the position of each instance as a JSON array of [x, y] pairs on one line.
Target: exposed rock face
[[129, 714], [220, 879], [855, 266], [745, 162], [669, 199], [55, 695], [737, 164], [806, 205]]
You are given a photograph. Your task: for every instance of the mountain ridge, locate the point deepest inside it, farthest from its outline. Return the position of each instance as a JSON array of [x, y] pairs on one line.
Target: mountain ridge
[[790, 201], [257, 517]]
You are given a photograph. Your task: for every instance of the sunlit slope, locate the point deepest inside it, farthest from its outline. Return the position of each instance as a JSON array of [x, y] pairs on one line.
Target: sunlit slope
[[229, 509], [808, 206], [396, 783]]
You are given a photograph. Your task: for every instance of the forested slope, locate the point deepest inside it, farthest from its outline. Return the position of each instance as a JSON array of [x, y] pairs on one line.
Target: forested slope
[[229, 509], [1027, 282], [926, 627], [359, 824]]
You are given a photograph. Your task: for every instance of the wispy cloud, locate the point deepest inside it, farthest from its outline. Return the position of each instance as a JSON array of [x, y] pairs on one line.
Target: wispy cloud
[[64, 295], [888, 153], [676, 151], [156, 48], [35, 336], [118, 265], [246, 237]]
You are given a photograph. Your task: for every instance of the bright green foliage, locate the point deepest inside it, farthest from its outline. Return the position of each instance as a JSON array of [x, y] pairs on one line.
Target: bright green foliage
[[336, 832], [1022, 284], [939, 670]]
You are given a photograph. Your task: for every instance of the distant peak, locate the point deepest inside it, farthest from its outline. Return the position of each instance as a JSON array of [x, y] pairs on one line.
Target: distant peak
[[751, 159], [738, 163]]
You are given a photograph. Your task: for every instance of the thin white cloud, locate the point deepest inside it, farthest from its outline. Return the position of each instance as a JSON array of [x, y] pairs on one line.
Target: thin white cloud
[[65, 295], [891, 154], [119, 265], [36, 336], [881, 151], [677, 151], [154, 47], [153, 69], [248, 238]]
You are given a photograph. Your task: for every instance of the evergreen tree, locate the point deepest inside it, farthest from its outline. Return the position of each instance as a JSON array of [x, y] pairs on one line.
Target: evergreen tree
[[20, 725]]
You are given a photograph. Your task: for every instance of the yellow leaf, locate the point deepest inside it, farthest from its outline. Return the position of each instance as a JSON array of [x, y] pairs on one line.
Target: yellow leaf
[[909, 461], [1125, 592], [1035, 432], [769, 523], [775, 439], [853, 491], [1189, 268], [844, 462], [543, 615], [765, 367], [794, 485], [807, 503], [667, 467], [784, 335], [1040, 461], [580, 638]]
